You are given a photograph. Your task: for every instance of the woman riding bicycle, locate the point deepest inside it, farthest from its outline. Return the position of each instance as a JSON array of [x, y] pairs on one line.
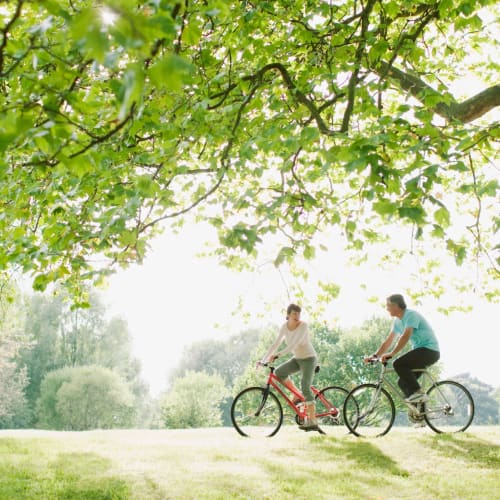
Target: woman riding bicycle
[[296, 334], [409, 326]]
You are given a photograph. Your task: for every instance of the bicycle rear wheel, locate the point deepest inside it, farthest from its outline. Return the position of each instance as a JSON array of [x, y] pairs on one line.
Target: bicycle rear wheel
[[256, 412], [369, 411], [450, 407], [330, 406]]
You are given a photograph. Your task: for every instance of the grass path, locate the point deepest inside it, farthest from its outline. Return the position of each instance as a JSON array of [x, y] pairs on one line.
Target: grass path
[[220, 464]]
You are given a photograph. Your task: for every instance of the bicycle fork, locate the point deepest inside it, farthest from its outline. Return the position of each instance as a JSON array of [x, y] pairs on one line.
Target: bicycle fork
[[265, 395], [372, 404]]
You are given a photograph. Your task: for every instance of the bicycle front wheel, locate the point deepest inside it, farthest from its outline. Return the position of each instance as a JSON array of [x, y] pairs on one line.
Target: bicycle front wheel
[[450, 407], [256, 412], [369, 411], [330, 407]]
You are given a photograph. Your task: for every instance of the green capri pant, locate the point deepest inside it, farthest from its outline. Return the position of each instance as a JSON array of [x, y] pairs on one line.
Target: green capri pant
[[306, 366]]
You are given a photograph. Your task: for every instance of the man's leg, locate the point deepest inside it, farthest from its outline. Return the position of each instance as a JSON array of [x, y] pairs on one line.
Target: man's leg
[[417, 359]]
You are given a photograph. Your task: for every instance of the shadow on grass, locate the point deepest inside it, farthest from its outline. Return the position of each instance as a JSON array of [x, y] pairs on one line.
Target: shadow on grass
[[352, 469], [364, 454], [34, 469], [466, 447]]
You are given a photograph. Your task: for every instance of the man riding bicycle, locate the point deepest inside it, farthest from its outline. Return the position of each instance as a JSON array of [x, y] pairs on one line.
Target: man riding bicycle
[[408, 325]]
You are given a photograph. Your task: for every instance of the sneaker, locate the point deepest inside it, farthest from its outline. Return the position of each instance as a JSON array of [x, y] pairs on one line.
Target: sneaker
[[419, 424], [417, 397]]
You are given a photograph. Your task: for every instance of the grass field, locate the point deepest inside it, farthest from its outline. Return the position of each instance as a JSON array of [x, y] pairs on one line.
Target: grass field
[[220, 464]]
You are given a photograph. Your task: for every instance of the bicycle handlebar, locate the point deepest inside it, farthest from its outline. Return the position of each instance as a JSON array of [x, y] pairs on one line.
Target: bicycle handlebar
[[376, 359], [265, 365]]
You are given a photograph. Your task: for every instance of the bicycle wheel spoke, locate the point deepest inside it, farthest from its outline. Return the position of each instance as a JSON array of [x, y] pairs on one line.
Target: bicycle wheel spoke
[[369, 411], [256, 413], [450, 407], [329, 407]]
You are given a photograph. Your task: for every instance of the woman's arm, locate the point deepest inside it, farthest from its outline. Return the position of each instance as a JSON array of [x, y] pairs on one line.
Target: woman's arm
[[267, 357]]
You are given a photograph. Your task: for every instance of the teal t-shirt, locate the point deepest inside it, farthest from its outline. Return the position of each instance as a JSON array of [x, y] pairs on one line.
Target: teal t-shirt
[[423, 335]]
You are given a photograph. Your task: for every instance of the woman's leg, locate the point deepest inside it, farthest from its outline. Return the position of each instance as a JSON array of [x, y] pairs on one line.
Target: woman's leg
[[307, 367], [284, 371]]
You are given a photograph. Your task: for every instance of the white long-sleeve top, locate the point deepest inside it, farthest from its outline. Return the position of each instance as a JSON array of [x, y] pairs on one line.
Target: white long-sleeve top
[[298, 343]]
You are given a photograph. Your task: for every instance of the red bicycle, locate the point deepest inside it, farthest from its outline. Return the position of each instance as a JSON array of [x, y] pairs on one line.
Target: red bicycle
[[257, 411]]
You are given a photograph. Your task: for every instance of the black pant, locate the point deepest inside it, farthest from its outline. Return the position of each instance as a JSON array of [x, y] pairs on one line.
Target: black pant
[[419, 358]]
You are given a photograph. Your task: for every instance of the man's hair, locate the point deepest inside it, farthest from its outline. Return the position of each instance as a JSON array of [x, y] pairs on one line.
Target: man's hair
[[397, 299], [291, 308]]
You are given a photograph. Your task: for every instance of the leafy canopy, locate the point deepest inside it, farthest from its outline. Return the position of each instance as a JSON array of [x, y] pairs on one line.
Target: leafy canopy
[[271, 120]]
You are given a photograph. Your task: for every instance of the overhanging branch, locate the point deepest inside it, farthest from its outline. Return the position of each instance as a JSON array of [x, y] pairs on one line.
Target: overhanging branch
[[464, 112]]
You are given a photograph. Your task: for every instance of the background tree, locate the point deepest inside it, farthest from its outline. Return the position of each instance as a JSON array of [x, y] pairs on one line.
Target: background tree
[[47, 415], [14, 411], [227, 358], [194, 401], [62, 336], [273, 121], [487, 407], [496, 396], [114, 351], [84, 398]]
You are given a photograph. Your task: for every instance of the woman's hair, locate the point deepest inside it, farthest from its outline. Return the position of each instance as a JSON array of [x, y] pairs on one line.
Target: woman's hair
[[291, 308], [398, 300]]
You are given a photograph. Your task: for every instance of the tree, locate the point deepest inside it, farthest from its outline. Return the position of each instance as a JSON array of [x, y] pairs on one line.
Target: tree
[[14, 410], [271, 120], [47, 415], [487, 408], [84, 398], [194, 401], [62, 336], [227, 358]]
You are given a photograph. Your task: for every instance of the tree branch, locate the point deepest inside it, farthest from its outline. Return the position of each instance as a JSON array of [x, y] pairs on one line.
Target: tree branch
[[464, 112], [5, 32]]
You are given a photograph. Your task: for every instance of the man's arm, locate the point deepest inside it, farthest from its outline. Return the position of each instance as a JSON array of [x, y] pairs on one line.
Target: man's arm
[[400, 344], [384, 347]]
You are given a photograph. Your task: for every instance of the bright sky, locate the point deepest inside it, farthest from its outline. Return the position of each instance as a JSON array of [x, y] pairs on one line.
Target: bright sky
[[176, 298]]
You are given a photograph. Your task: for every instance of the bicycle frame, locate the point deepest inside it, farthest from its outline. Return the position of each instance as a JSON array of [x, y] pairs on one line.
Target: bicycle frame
[[369, 409], [383, 381], [276, 383]]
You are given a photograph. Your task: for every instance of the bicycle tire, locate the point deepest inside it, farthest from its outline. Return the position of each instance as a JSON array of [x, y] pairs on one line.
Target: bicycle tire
[[450, 407], [256, 412], [331, 416], [366, 416]]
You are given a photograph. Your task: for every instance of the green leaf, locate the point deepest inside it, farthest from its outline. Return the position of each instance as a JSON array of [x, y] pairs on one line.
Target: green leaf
[[285, 255], [415, 214], [171, 72], [442, 216], [385, 207]]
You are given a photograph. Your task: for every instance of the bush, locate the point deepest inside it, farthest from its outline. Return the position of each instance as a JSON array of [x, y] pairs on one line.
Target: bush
[[83, 398]]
